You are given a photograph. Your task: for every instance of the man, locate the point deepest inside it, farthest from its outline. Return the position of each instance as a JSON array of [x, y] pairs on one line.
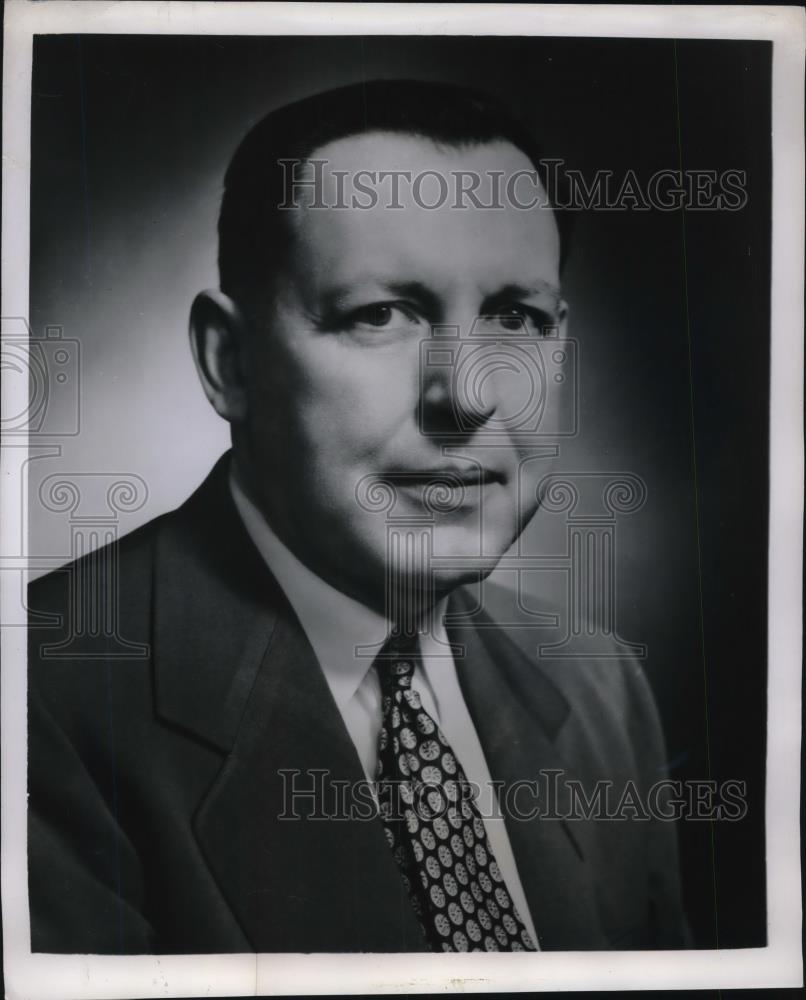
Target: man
[[303, 625]]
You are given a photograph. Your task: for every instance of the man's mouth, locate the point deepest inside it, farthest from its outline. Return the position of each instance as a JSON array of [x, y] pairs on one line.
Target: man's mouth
[[450, 476], [443, 488]]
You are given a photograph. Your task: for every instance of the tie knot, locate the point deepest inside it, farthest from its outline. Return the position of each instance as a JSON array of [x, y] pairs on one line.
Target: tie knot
[[395, 662]]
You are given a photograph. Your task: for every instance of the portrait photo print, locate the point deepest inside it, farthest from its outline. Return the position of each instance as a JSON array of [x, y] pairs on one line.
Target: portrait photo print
[[392, 542]]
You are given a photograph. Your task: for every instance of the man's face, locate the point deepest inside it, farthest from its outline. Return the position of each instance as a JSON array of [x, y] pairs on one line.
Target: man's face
[[339, 399]]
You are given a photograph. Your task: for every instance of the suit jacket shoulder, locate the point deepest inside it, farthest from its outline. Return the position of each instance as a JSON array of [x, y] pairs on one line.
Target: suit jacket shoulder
[[174, 706], [594, 736]]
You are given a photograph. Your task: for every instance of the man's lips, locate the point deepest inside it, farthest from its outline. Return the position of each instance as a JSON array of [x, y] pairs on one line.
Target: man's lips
[[450, 476]]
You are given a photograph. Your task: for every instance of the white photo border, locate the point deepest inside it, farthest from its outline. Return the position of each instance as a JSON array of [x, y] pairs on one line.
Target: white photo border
[[777, 965]]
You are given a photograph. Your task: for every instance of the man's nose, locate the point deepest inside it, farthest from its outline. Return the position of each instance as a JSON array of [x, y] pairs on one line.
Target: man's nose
[[456, 398]]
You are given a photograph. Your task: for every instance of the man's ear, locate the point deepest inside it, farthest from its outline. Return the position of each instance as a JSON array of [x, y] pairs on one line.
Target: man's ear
[[217, 339]]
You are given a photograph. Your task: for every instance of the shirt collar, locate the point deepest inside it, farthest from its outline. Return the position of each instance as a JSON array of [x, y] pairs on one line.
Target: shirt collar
[[345, 634]]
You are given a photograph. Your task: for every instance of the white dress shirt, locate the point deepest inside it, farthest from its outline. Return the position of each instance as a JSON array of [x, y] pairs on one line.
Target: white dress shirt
[[346, 636]]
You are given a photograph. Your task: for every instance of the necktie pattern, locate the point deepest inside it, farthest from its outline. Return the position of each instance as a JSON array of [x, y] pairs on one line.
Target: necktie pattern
[[433, 826]]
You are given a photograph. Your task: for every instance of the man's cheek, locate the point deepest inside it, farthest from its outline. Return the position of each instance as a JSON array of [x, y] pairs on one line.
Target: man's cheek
[[368, 412]]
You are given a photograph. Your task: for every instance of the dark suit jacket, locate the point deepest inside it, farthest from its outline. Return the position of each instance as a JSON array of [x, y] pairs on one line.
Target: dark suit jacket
[[155, 770]]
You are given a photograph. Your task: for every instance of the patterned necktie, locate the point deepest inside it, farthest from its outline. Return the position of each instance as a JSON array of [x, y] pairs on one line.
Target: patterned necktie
[[433, 826]]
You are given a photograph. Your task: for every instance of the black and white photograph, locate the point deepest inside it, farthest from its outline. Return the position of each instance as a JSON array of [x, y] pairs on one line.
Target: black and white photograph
[[402, 498]]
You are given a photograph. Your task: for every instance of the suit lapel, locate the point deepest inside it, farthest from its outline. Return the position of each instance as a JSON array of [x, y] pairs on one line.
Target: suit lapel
[[233, 667], [518, 714], [214, 614], [302, 875]]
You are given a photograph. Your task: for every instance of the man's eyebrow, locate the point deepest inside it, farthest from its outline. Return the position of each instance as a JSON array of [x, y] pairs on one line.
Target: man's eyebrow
[[517, 291], [339, 295]]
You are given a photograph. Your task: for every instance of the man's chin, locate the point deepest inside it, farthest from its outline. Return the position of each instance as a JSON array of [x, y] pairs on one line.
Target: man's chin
[[476, 548], [446, 582], [422, 562]]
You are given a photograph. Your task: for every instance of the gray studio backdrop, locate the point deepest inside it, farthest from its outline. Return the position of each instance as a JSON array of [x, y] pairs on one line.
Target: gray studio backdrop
[[130, 140]]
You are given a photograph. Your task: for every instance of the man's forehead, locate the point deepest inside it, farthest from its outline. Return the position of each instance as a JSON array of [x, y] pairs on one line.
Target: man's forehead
[[390, 203], [413, 167]]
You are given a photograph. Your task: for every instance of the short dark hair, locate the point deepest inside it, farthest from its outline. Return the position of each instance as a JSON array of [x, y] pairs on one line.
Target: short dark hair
[[252, 231]]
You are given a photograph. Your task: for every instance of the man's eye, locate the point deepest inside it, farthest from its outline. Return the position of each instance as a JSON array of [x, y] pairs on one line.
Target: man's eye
[[380, 314], [518, 318], [512, 318]]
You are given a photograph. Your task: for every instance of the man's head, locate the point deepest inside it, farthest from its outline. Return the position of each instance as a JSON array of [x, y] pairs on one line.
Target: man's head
[[333, 279]]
